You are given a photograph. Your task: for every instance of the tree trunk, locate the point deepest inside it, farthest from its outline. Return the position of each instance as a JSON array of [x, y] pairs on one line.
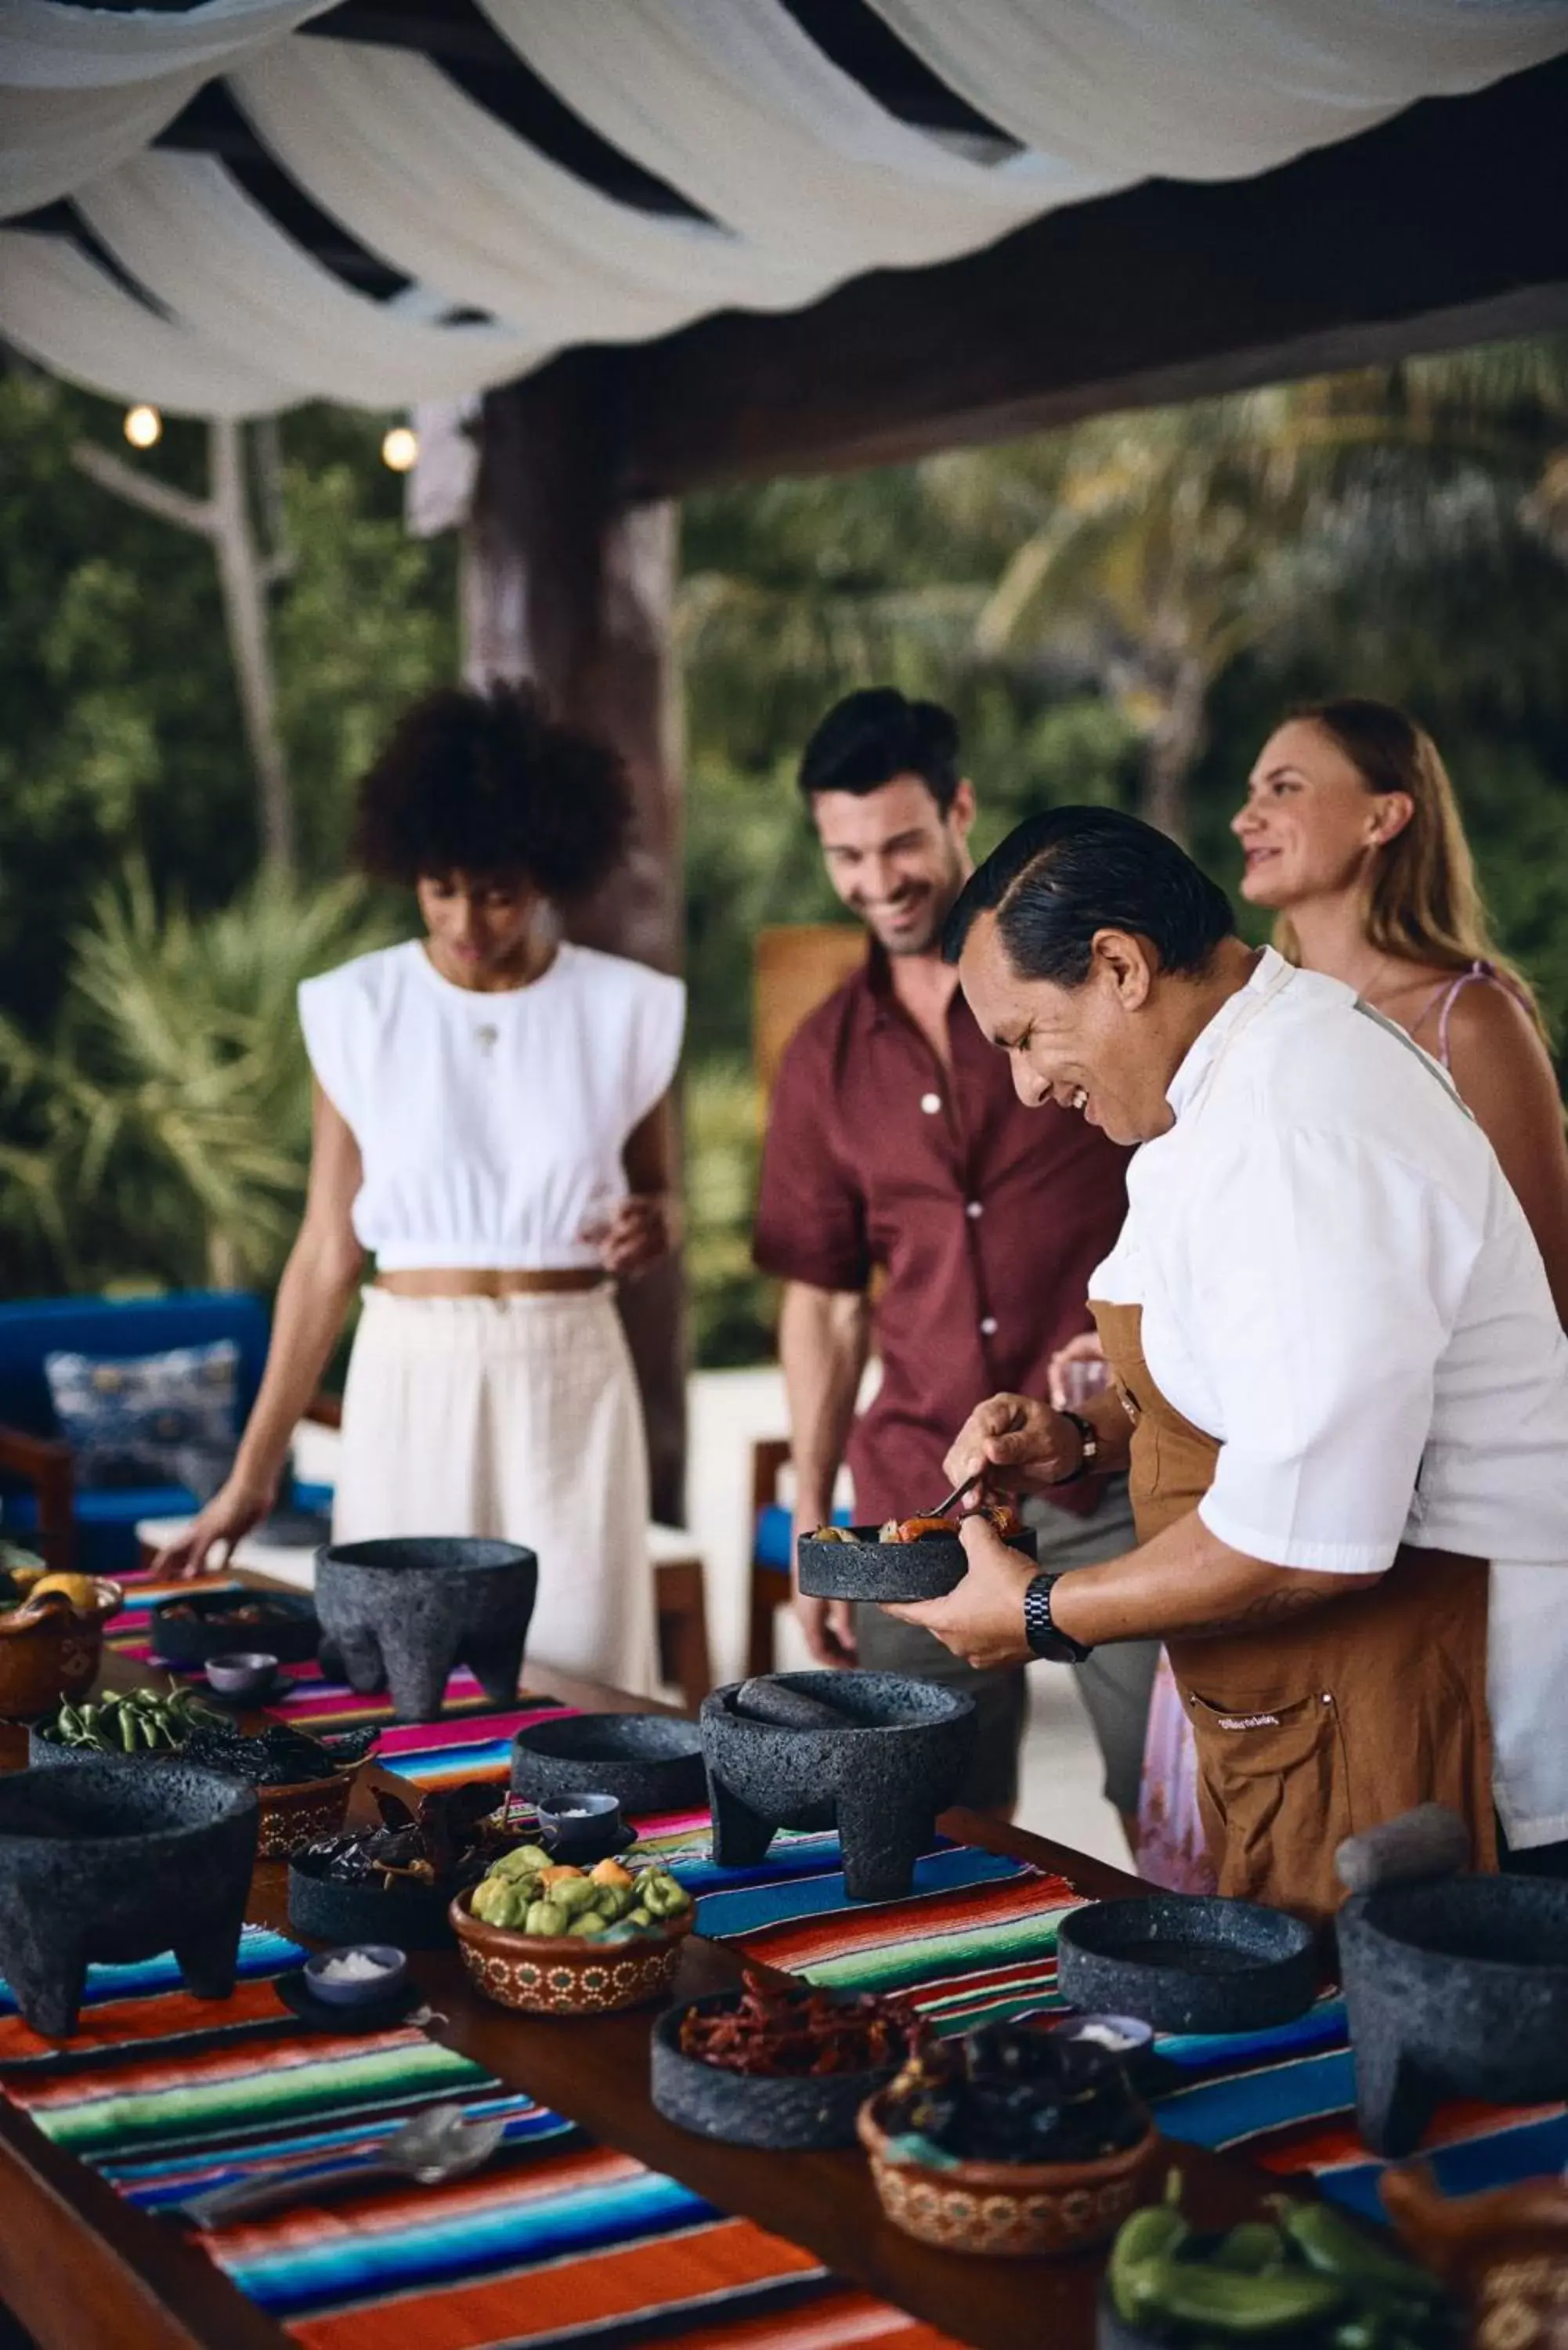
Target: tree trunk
[[563, 586], [244, 573], [1173, 744]]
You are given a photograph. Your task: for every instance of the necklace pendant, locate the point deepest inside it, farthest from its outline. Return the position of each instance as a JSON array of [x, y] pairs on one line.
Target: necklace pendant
[[485, 1038]]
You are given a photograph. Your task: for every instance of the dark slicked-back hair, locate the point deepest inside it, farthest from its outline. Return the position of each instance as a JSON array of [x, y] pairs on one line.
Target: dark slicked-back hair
[[486, 783], [1062, 876], [870, 737]]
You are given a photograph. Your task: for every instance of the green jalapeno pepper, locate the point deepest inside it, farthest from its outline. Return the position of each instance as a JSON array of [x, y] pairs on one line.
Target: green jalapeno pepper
[[1334, 2248], [1223, 2302]]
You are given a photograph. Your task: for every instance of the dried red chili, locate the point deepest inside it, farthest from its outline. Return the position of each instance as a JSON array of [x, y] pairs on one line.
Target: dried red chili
[[786, 2028]]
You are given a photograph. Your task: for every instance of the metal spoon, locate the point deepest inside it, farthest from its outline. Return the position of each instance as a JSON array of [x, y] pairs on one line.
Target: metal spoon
[[440, 2144]]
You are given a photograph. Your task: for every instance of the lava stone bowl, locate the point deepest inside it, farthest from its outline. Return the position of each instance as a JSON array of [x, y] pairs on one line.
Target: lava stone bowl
[[115, 1861], [246, 1678], [1187, 1963], [286, 1627], [1454, 1987], [783, 2111], [568, 1974], [648, 1762], [401, 1614], [292, 1814], [864, 1568], [895, 1763], [411, 1915], [372, 1991]]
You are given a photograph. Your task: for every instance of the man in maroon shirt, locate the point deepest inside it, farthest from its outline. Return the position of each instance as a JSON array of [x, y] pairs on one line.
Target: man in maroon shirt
[[896, 1146]]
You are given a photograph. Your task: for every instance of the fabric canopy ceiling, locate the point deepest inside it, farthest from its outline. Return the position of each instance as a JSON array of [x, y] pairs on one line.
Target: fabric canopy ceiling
[[185, 290]]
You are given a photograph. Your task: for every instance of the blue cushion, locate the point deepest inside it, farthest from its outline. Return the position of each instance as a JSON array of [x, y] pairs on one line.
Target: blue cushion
[[138, 1326], [772, 1537], [129, 1415]]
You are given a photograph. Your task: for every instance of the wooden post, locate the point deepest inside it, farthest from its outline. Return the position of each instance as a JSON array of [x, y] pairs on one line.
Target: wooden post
[[563, 585]]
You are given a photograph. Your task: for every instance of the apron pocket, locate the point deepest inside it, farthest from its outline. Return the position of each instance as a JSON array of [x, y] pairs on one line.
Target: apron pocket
[[1275, 1793]]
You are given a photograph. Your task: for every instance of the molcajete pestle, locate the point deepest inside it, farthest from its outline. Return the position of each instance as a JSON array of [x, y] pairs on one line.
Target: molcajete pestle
[[883, 1773], [401, 1613], [1454, 1987], [114, 1861]]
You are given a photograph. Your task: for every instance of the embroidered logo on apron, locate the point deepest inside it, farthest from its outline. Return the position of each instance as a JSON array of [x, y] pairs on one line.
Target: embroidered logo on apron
[[1246, 1721]]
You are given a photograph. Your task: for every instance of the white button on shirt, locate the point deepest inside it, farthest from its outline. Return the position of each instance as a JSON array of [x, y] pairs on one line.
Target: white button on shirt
[[930, 1104], [988, 1327], [1338, 1284]]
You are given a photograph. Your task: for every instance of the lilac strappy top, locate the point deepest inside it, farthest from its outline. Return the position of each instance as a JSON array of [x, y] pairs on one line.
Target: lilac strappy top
[[1444, 997]]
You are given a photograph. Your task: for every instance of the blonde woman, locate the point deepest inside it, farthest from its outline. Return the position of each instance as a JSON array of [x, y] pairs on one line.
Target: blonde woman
[[1353, 838], [492, 1124]]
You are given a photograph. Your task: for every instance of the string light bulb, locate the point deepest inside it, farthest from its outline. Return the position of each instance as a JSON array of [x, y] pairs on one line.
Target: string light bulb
[[400, 448], [143, 426]]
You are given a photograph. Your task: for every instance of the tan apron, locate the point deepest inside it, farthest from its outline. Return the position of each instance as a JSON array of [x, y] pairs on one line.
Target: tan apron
[[1327, 1722]]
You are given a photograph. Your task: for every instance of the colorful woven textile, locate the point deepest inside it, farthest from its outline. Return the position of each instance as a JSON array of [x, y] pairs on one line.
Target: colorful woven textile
[[557, 2241], [1287, 2099]]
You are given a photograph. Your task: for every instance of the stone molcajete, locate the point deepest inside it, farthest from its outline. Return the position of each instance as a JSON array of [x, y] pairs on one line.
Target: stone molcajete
[[883, 1770], [1455, 1986], [401, 1614], [114, 1861]]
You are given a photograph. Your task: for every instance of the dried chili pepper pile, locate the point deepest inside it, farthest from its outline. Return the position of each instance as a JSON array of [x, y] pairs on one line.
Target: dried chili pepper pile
[[781, 2028]]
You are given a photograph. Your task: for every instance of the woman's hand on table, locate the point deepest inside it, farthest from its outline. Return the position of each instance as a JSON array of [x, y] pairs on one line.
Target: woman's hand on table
[[982, 1620], [642, 1229], [227, 1518], [1014, 1442]]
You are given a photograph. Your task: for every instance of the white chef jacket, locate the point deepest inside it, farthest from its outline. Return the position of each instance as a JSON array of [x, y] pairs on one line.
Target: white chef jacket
[[1338, 1285]]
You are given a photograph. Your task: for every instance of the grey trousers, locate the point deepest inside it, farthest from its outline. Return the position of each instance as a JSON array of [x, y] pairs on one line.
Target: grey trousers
[[1114, 1682]]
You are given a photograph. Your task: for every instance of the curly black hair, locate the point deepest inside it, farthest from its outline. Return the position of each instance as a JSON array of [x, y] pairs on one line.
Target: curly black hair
[[485, 782]]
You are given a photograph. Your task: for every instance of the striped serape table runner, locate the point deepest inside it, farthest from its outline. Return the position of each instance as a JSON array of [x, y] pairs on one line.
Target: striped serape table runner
[[1287, 2099], [470, 1740], [557, 2241]]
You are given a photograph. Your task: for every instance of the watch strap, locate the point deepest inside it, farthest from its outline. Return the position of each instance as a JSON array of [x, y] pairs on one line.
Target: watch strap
[[1044, 1636], [1089, 1449]]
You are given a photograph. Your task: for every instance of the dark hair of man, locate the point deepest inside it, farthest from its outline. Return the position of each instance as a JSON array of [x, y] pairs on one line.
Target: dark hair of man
[[1062, 876], [487, 783], [874, 735]]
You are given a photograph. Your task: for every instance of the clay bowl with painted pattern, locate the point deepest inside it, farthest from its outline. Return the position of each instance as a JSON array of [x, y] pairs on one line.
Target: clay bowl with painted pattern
[[862, 1568], [1008, 2209], [568, 1974]]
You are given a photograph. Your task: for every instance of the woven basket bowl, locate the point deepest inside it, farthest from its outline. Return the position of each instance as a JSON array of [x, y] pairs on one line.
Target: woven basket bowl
[[567, 1974], [1012, 2208]]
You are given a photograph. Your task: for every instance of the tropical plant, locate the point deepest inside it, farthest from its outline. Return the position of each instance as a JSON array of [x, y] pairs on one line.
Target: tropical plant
[[164, 1129]]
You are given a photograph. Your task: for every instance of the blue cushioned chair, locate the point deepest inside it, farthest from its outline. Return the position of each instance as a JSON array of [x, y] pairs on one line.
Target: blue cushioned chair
[[773, 1576], [95, 1529]]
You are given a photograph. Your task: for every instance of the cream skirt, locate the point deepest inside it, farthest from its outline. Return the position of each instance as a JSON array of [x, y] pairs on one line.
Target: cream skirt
[[517, 1419]]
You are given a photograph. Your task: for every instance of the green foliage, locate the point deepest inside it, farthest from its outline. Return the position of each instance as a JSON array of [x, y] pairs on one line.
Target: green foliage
[[163, 1132]]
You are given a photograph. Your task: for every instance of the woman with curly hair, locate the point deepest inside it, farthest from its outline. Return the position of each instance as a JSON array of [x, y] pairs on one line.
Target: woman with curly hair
[[492, 1124]]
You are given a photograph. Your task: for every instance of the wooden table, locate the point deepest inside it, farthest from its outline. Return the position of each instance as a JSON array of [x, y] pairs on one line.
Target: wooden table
[[82, 2269]]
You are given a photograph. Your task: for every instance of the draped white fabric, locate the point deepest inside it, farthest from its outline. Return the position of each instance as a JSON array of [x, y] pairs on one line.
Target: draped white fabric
[[805, 178], [730, 102], [186, 231], [66, 312], [1200, 89], [441, 190]]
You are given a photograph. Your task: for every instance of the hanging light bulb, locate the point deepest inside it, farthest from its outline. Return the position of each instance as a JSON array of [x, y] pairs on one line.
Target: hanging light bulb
[[400, 448], [143, 426]]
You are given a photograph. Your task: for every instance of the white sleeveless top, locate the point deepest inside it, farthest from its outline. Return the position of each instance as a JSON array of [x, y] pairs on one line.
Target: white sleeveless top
[[491, 1125]]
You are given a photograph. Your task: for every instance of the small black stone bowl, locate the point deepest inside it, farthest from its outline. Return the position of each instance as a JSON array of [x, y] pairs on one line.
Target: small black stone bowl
[[581, 1821], [864, 1568], [1187, 1963], [411, 1915], [289, 1631], [114, 1861], [648, 1762], [782, 2111]]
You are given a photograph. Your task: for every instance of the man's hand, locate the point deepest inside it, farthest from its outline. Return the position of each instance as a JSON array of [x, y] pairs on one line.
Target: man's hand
[[828, 1624], [983, 1620], [1016, 1443]]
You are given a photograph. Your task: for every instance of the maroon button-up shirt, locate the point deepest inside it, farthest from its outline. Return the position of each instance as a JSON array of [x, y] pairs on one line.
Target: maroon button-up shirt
[[986, 1218]]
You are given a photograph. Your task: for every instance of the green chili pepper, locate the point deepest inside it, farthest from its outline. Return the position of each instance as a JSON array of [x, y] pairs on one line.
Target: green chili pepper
[[1334, 2248], [1149, 2237], [1222, 2302], [1251, 2249], [127, 1731]]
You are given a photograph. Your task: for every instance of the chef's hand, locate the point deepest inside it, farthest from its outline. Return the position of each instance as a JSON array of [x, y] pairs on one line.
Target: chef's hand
[[1013, 1442], [828, 1624], [982, 1620], [636, 1236]]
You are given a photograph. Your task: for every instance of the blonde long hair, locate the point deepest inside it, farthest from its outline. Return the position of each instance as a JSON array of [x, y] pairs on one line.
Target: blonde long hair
[[1424, 903]]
